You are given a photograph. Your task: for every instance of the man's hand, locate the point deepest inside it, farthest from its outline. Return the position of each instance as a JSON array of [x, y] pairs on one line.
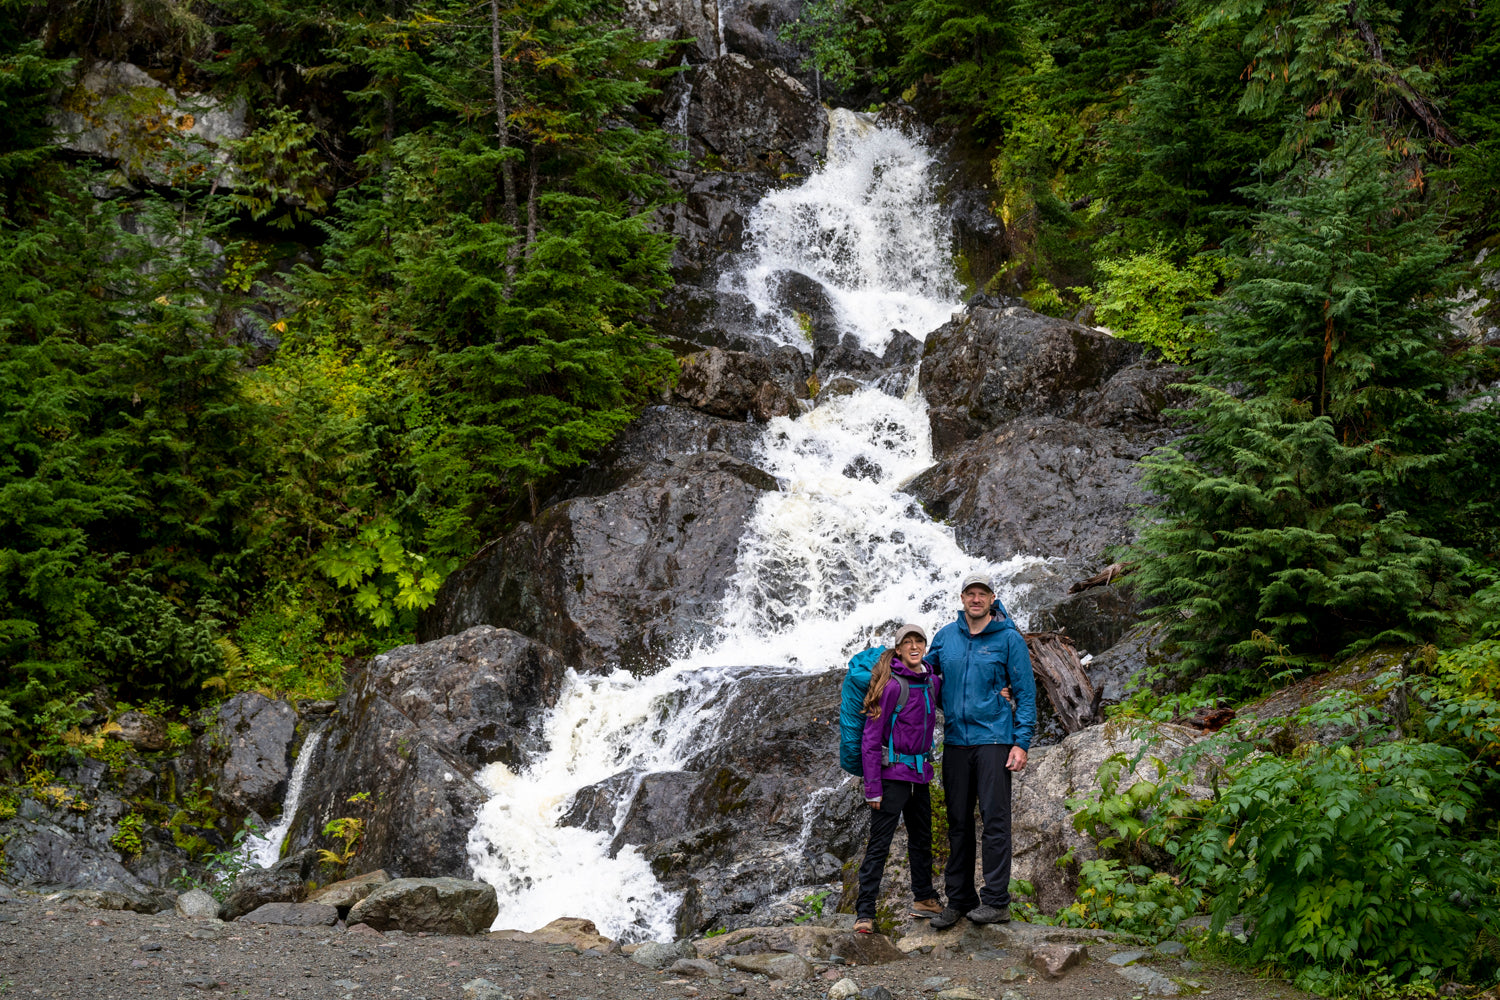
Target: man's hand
[[1016, 760]]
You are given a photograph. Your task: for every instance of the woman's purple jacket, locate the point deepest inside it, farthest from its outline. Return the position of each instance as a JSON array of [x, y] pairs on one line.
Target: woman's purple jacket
[[914, 727]]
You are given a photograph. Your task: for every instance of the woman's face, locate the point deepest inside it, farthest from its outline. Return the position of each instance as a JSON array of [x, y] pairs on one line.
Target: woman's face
[[910, 650]]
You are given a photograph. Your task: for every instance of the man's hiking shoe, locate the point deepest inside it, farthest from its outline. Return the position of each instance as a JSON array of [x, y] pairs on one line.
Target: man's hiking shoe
[[927, 908], [986, 914], [946, 919], [864, 925]]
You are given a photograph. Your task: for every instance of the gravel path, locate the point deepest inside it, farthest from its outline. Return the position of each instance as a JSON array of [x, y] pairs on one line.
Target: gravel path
[[51, 949]]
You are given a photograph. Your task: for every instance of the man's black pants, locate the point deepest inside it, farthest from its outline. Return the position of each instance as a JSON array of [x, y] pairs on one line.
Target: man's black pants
[[976, 776], [898, 799]]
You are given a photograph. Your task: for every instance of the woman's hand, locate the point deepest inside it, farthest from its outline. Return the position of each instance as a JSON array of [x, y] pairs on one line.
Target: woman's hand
[[875, 804]]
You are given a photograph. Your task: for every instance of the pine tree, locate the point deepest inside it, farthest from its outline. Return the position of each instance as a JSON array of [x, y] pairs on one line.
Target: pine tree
[[1289, 523]]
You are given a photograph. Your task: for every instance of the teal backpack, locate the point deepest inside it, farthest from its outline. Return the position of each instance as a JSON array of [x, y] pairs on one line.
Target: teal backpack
[[852, 708]]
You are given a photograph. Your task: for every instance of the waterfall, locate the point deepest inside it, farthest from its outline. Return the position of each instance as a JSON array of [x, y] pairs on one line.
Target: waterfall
[[867, 227], [677, 122], [266, 851], [831, 562]]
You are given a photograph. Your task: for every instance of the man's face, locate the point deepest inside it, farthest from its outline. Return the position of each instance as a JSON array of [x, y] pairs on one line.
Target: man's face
[[977, 601]]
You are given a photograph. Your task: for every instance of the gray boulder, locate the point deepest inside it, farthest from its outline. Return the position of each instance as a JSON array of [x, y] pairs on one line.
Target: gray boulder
[[1038, 485], [437, 906], [618, 579], [412, 730], [259, 886], [1041, 822], [342, 895], [754, 116], [141, 731], [247, 755], [708, 221], [987, 366], [660, 954], [677, 20], [1095, 619], [1115, 671]]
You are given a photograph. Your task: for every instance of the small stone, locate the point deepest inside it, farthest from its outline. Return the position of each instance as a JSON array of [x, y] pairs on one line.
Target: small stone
[[1055, 959], [202, 983], [364, 929], [843, 990], [138, 963], [152, 946], [345, 984], [932, 983], [1188, 965], [1012, 995], [1172, 949], [1153, 982], [791, 968], [1124, 958], [483, 989], [960, 993], [875, 993], [1010, 974], [209, 933], [736, 991]]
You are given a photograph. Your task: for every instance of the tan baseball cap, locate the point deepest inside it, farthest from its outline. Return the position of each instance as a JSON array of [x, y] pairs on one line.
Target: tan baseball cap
[[909, 629], [976, 580]]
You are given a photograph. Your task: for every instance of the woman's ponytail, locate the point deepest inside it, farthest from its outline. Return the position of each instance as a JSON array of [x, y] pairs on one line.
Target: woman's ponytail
[[880, 676]]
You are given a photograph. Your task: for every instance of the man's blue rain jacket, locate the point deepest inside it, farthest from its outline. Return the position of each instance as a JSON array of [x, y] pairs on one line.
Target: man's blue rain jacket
[[974, 669]]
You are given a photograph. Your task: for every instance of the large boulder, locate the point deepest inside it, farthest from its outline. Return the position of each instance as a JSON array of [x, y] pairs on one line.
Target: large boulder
[[694, 22], [753, 116], [1095, 619], [615, 580], [989, 366], [807, 941], [283, 882], [1040, 486], [707, 221], [412, 730], [436, 905], [1041, 821], [254, 734]]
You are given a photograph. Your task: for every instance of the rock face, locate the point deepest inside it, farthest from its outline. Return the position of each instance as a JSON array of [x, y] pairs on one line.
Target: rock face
[[1041, 486], [1095, 619], [258, 733], [1041, 823], [613, 580], [412, 729], [754, 116], [677, 20], [737, 384], [142, 731], [437, 906], [723, 828]]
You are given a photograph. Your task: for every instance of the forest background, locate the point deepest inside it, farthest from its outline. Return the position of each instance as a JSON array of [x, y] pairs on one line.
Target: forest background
[[247, 429]]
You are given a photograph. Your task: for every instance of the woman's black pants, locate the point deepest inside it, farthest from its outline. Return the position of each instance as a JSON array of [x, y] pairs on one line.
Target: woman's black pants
[[898, 799]]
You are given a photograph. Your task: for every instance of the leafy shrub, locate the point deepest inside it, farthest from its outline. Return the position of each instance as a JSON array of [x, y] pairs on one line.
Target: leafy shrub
[[1129, 898], [127, 835], [1148, 297]]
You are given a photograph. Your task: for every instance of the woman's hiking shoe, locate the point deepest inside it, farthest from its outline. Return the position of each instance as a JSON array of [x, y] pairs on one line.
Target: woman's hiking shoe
[[946, 919], [927, 908], [986, 914], [864, 925]]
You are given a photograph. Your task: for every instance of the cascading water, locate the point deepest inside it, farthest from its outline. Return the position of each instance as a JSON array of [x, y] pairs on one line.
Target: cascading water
[[266, 851], [829, 563], [867, 228]]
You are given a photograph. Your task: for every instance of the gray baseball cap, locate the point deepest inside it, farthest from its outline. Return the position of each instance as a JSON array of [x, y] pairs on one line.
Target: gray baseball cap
[[976, 580], [908, 629]]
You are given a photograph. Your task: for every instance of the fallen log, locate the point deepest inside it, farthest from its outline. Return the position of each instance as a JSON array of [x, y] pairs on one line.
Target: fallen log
[[1055, 663], [1109, 574]]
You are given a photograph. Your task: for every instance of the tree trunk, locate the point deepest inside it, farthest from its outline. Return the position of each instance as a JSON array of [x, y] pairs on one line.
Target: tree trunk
[[531, 206], [1054, 662], [502, 126]]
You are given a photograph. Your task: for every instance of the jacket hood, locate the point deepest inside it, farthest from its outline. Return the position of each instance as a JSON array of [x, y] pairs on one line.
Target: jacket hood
[[897, 667]]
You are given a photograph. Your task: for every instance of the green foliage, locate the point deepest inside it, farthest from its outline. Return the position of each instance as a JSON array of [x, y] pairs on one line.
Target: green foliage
[[1150, 298], [279, 165], [127, 836], [1374, 850], [812, 906], [1129, 898]]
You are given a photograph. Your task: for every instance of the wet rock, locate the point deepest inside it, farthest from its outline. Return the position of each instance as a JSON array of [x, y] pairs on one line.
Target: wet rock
[[258, 734], [740, 385], [708, 221], [1039, 485], [1150, 980], [414, 727], [1113, 672], [141, 731], [196, 904], [753, 28], [437, 906], [618, 579], [987, 367], [1095, 619], [805, 297], [1135, 397], [259, 886], [1042, 824], [660, 954], [293, 915], [754, 116], [1052, 960], [573, 932], [51, 848], [661, 432], [342, 895]]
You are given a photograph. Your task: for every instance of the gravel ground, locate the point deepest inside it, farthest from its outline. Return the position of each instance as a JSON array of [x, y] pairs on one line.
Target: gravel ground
[[50, 949]]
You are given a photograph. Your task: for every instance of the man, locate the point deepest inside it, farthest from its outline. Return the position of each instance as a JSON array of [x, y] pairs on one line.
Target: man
[[984, 740]]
